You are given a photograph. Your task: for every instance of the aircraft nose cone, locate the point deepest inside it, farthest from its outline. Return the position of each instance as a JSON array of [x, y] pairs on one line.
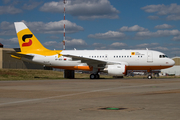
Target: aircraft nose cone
[[172, 62]]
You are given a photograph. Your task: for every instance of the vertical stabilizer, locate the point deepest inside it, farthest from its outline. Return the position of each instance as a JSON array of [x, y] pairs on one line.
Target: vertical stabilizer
[[27, 41]]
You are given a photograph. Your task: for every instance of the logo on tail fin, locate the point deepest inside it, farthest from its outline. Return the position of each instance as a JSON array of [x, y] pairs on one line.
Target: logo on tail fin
[[27, 43]]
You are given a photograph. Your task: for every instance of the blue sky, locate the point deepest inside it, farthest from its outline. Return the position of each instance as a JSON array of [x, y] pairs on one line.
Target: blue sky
[[96, 24]]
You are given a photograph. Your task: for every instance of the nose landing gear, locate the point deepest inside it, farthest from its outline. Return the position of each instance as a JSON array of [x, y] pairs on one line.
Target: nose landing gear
[[149, 76]]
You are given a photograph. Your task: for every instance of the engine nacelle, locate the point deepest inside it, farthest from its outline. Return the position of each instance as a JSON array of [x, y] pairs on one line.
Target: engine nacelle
[[116, 70]]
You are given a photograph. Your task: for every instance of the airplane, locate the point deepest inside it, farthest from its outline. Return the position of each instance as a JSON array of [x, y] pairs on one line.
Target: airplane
[[113, 62]]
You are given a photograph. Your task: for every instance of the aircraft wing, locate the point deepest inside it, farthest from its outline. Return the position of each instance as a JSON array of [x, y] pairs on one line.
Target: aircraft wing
[[89, 61]]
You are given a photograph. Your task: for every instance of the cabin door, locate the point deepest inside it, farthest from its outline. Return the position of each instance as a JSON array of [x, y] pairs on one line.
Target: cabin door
[[149, 56]]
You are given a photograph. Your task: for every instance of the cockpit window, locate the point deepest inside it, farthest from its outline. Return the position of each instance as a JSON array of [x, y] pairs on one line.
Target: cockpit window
[[163, 56]]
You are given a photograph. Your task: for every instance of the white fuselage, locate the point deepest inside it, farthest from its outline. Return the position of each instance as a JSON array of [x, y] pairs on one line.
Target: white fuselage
[[133, 59]]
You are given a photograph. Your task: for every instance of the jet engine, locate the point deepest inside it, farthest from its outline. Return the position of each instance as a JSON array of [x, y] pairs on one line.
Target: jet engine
[[116, 70]]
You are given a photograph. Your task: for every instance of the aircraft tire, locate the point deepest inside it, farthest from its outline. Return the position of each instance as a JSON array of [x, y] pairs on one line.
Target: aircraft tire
[[92, 76], [97, 76], [149, 76]]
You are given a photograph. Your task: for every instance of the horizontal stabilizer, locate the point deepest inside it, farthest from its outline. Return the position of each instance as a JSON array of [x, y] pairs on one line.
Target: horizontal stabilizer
[[20, 55]]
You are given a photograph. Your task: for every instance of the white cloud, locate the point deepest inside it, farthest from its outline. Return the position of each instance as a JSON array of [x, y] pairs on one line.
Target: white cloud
[[113, 46], [177, 49], [31, 5], [99, 46], [83, 9], [142, 45], [41, 27], [176, 38], [151, 46], [159, 33], [172, 10], [153, 8], [147, 45], [70, 44], [160, 48], [6, 25], [132, 29], [173, 17], [75, 42], [12, 42], [54, 27], [154, 44], [110, 35], [9, 10], [163, 9], [118, 44], [7, 32], [51, 43], [163, 26], [7, 28]]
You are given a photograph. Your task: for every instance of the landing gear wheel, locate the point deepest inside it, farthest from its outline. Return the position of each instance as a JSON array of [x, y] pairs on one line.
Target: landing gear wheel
[[149, 76], [97, 76], [92, 76]]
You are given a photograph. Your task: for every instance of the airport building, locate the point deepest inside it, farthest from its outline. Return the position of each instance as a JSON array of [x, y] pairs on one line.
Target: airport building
[[175, 70], [7, 62]]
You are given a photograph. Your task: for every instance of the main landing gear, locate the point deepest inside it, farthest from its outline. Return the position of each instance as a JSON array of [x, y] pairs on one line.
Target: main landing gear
[[94, 76], [149, 76]]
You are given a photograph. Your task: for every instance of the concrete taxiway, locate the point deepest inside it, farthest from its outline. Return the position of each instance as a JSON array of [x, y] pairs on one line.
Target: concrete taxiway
[[84, 99]]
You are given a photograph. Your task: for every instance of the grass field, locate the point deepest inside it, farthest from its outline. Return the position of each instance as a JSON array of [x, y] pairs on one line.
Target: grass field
[[32, 74], [29, 74]]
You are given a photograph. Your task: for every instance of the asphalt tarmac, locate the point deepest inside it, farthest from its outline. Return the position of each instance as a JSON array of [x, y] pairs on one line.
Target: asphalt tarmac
[[85, 99]]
